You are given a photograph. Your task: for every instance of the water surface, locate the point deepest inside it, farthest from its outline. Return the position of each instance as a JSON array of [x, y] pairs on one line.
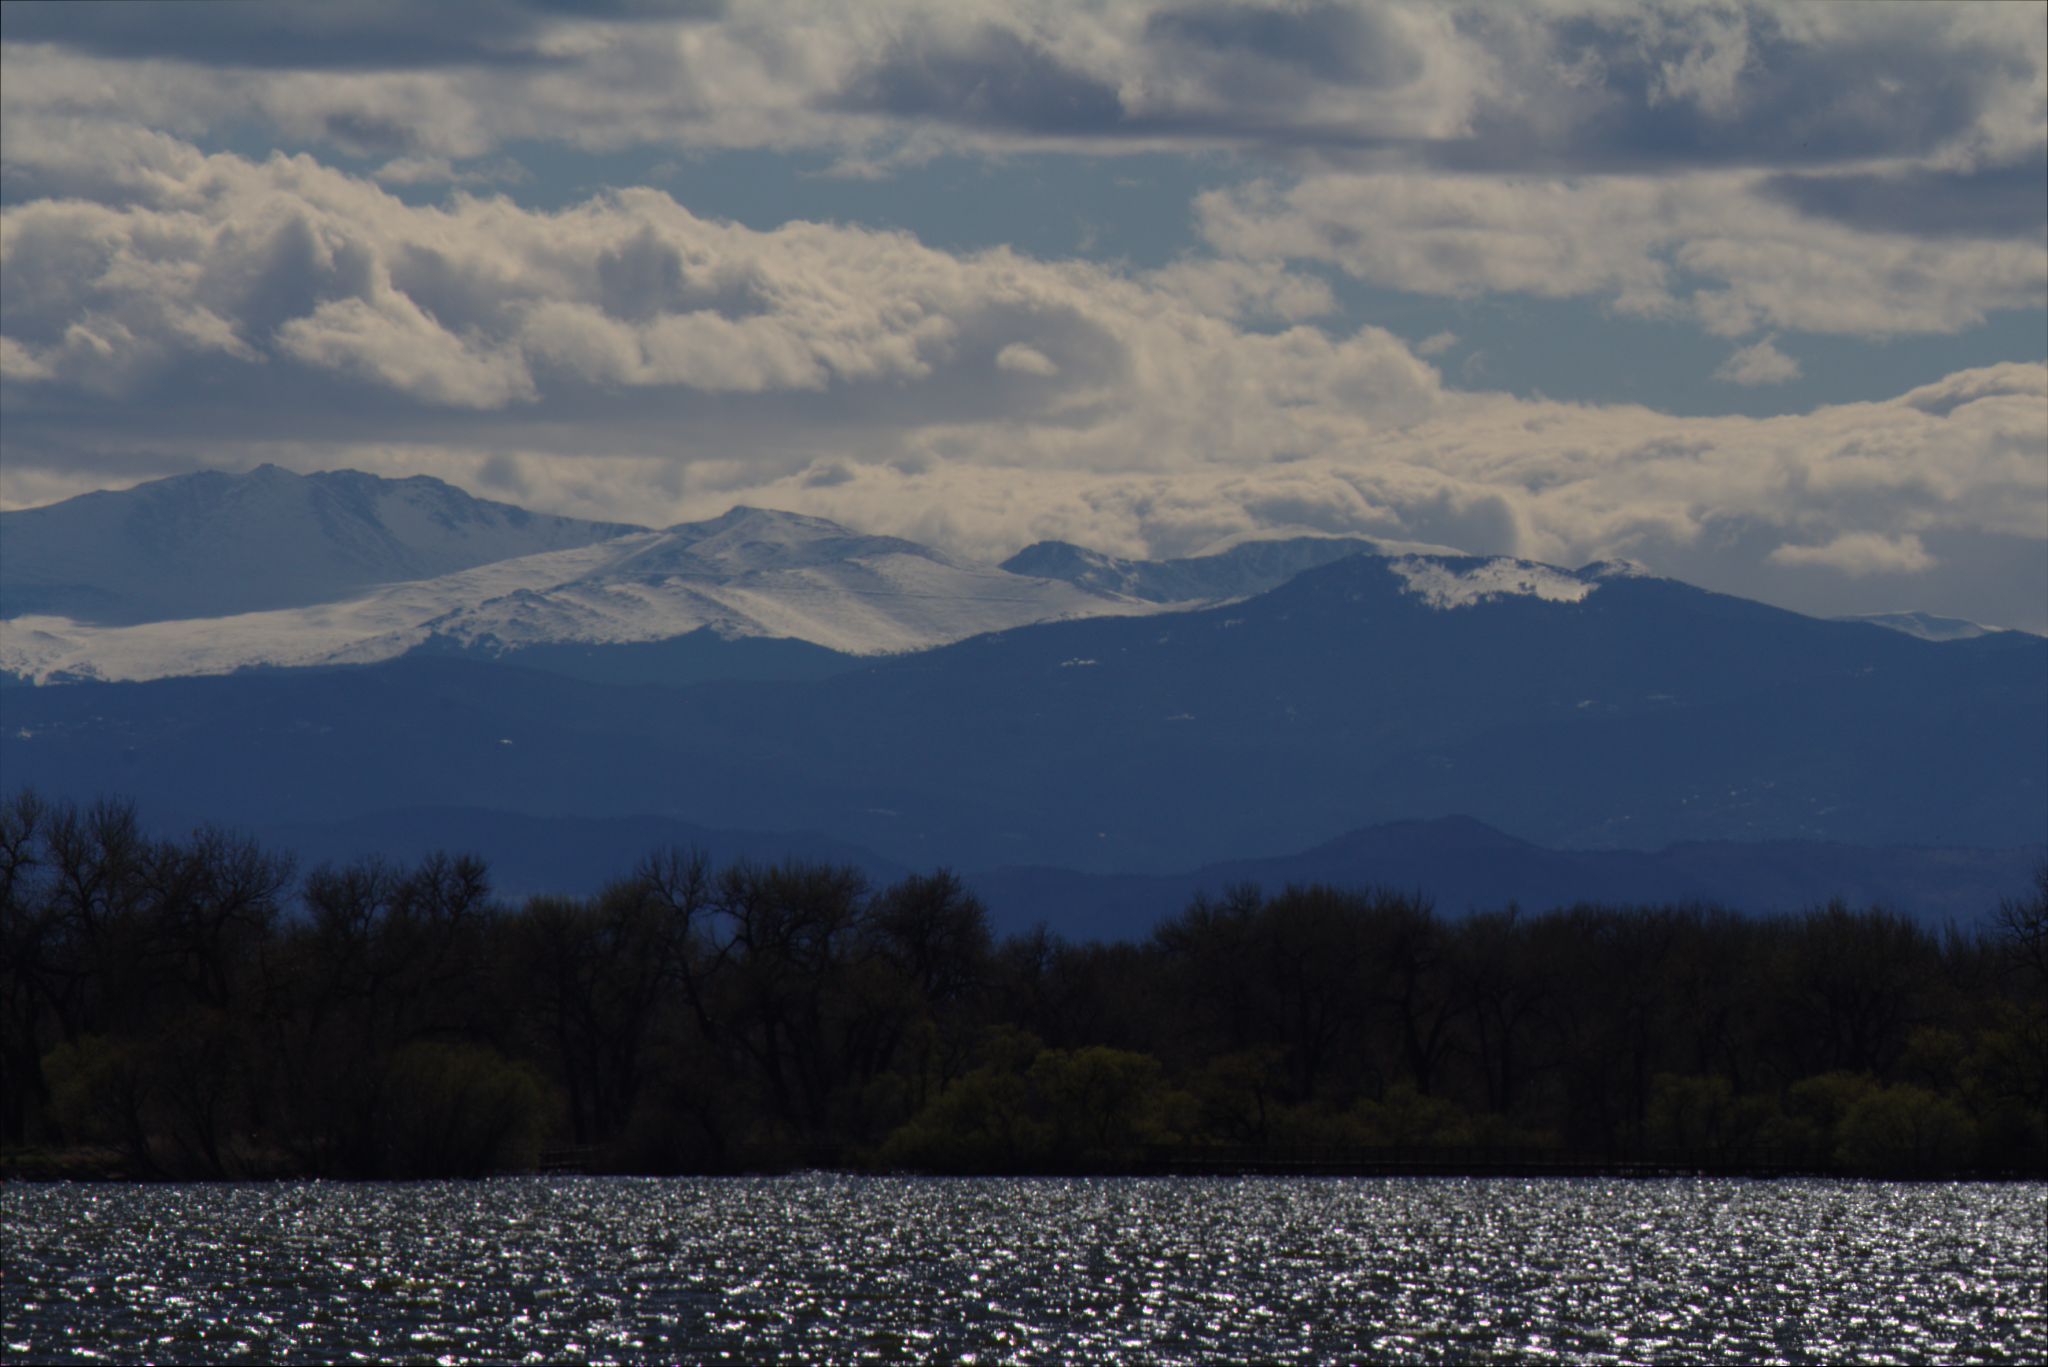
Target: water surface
[[844, 1269]]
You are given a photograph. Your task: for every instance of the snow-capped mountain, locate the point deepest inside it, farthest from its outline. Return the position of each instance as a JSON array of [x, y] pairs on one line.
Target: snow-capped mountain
[[1245, 569], [213, 573], [750, 573], [209, 574], [213, 544], [754, 572]]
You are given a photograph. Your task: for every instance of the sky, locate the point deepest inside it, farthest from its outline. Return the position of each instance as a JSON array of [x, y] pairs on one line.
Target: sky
[[1753, 294]]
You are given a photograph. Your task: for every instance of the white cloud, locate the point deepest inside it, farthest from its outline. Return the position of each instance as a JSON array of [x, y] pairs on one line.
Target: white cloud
[[1024, 360], [1861, 553], [1436, 344], [416, 171], [1581, 85], [481, 305], [1757, 364], [1635, 242], [441, 171]]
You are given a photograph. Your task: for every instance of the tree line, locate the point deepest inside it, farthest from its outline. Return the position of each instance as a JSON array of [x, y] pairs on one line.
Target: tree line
[[195, 1008]]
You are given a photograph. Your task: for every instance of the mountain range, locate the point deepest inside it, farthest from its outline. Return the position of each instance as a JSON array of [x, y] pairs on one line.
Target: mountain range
[[316, 653], [211, 573]]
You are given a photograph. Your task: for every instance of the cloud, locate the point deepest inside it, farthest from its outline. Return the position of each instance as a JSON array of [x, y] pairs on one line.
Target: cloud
[[1861, 553], [1618, 89], [1436, 344], [1856, 170], [1562, 88], [1990, 201], [362, 35], [991, 76], [1717, 247], [1758, 364], [480, 304], [625, 357], [1245, 290], [440, 171], [362, 308], [1025, 360]]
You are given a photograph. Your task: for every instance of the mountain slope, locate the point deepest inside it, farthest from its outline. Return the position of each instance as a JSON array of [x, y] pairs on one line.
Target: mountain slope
[[754, 572], [751, 573], [1243, 570], [212, 544], [1926, 625], [1575, 710]]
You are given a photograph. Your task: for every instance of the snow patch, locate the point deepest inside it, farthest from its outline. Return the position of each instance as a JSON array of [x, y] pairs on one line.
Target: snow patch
[[1448, 584], [1925, 625]]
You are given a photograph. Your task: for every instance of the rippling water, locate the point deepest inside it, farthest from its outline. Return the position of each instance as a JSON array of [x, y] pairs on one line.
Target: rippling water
[[824, 1269]]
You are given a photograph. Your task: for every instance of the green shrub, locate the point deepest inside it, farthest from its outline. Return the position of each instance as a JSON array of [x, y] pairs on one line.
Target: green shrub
[[1905, 1131], [460, 1110]]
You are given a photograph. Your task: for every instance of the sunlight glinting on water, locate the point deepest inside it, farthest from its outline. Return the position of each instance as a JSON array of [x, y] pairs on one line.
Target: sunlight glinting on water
[[840, 1269]]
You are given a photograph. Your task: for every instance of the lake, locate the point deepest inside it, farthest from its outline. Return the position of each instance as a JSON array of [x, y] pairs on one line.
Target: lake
[[827, 1268]]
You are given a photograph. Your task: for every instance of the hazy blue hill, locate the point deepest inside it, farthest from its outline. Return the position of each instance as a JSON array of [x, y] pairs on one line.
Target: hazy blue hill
[[571, 855], [1459, 864], [1463, 865]]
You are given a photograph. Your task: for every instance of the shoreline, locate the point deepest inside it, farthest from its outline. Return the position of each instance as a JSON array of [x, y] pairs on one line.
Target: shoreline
[[98, 1166]]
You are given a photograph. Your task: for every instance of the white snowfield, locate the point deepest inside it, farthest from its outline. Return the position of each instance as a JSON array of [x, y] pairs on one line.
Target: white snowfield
[[749, 573]]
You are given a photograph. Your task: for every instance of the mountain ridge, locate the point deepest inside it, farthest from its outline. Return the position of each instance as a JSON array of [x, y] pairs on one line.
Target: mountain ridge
[[1646, 713], [331, 572], [1460, 864], [211, 544]]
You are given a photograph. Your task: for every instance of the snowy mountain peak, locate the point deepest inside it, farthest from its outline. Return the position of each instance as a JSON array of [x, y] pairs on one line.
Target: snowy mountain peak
[[213, 544], [772, 522], [213, 572], [1077, 565], [752, 540]]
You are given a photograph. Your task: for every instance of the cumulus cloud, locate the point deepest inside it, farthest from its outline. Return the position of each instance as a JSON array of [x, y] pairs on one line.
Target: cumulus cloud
[[1026, 360], [1436, 344], [362, 35], [1861, 553], [350, 298], [1757, 364], [480, 304], [440, 171], [1583, 85], [1858, 170], [1716, 247]]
